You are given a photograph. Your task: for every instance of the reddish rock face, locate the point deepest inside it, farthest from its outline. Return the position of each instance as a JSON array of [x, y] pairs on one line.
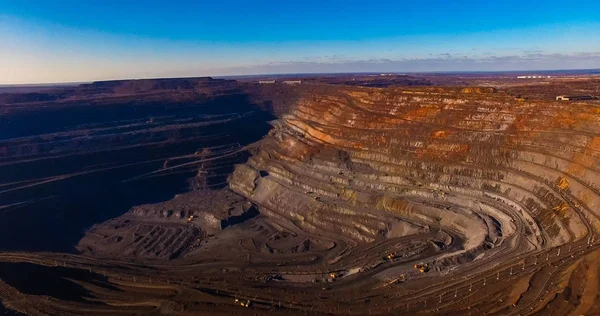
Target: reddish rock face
[[308, 198], [498, 175]]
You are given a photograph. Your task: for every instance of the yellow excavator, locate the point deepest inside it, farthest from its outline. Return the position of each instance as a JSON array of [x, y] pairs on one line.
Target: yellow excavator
[[335, 275], [423, 267], [562, 183]]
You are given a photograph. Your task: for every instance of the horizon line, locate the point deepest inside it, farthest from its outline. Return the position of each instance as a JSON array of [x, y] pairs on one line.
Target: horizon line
[[72, 83]]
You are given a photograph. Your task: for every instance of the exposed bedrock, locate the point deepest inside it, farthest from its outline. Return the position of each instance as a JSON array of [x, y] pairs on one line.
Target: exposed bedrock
[[506, 177], [67, 166], [356, 201]]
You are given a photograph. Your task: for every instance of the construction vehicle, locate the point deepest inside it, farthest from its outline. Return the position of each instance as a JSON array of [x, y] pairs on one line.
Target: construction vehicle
[[335, 275], [191, 218], [242, 303], [423, 267], [562, 183], [561, 209], [390, 257], [398, 280]]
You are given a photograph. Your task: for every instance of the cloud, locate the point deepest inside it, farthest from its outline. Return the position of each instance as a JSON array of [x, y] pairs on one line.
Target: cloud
[[531, 60]]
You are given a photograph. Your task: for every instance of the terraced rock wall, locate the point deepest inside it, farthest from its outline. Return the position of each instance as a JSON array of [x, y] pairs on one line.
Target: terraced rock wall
[[65, 166], [495, 174]]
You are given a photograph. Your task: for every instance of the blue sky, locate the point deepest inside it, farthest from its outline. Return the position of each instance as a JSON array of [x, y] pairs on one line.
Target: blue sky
[[61, 41]]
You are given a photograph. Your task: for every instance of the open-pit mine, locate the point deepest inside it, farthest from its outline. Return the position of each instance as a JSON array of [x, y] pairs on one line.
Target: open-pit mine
[[419, 196]]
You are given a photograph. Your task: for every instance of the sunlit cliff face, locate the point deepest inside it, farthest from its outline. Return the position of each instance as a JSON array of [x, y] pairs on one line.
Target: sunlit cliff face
[[312, 198], [476, 171]]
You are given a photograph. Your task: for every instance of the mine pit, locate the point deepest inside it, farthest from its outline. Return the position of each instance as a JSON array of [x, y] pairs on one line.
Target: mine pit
[[232, 197]]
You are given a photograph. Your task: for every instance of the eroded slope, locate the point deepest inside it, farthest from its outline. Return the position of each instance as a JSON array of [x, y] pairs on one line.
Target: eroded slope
[[472, 172], [350, 190]]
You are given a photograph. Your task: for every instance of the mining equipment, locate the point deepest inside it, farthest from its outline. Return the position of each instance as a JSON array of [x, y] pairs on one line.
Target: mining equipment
[[562, 183], [335, 275], [242, 303], [423, 267]]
